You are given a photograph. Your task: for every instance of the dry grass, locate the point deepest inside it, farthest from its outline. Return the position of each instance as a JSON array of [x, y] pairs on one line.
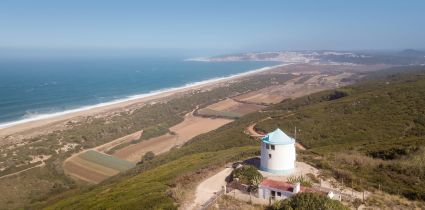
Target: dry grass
[[381, 200], [358, 160], [230, 108], [228, 202], [182, 132]]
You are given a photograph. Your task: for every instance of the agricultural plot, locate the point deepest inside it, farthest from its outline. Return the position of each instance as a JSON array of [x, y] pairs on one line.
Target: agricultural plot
[[229, 108], [181, 133], [106, 160], [94, 167], [294, 88]]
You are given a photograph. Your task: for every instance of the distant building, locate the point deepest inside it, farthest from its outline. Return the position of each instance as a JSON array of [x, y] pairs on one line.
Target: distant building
[[277, 153]]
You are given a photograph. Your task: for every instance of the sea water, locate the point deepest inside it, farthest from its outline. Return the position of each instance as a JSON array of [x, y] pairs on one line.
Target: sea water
[[33, 89]]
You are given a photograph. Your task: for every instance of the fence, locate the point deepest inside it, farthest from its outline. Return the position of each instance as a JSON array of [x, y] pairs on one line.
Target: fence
[[212, 200]]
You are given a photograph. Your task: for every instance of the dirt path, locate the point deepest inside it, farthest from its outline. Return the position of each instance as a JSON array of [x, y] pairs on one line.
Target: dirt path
[[18, 172], [128, 138], [251, 131], [207, 188]]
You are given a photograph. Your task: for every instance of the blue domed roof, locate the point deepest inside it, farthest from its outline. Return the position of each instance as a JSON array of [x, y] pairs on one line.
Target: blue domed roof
[[278, 137]]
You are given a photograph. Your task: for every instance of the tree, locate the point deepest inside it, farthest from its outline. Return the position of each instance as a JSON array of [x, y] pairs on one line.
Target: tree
[[147, 156], [248, 175]]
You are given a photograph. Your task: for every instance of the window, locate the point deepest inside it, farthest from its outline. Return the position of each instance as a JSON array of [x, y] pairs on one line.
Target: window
[[270, 156], [273, 193], [279, 194], [267, 146], [272, 147]]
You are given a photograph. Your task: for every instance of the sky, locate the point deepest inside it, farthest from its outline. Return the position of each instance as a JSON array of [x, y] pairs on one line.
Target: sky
[[214, 26]]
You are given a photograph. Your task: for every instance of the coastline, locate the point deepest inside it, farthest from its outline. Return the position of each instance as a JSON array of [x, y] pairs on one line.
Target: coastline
[[42, 120]]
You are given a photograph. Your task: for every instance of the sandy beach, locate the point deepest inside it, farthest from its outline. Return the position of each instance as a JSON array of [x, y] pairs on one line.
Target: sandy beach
[[15, 133]]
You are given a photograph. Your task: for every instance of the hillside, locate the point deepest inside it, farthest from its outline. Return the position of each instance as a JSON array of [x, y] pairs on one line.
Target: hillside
[[370, 135]]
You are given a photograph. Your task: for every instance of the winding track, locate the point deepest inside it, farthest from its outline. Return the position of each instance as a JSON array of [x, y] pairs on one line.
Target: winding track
[[253, 133]]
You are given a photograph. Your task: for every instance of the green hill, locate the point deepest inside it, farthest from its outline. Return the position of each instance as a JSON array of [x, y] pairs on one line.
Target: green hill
[[370, 134]]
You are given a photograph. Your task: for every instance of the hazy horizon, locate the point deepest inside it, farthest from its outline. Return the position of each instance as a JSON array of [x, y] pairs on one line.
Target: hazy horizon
[[192, 28]]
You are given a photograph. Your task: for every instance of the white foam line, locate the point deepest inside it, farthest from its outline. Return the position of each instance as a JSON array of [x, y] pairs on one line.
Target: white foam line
[[134, 97]]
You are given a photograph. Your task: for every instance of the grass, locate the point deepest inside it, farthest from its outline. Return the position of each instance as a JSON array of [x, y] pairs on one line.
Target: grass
[[214, 113], [371, 136], [149, 189], [304, 181], [153, 184]]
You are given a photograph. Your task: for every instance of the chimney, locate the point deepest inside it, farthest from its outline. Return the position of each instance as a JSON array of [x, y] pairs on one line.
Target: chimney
[[297, 188]]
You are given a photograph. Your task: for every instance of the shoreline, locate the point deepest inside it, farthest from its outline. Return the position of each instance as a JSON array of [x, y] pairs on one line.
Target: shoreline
[[9, 128]]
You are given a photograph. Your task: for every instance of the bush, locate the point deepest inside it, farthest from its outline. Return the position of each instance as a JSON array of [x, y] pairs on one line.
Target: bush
[[307, 201], [337, 94], [304, 181], [147, 157], [248, 175]]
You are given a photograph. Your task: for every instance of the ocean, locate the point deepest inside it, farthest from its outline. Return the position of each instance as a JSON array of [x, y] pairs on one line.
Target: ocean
[[32, 89]]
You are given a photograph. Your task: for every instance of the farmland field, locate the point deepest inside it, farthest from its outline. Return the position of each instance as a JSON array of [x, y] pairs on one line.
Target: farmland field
[[182, 132], [229, 108], [106, 160], [297, 87], [94, 167]]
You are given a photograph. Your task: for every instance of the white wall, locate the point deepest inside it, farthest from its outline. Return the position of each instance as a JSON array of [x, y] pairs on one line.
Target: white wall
[[283, 157], [266, 192]]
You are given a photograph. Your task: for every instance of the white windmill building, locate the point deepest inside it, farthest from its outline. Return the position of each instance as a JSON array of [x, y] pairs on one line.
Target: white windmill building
[[277, 153]]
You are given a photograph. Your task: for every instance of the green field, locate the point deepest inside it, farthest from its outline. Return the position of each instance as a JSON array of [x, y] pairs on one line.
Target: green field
[[214, 113], [106, 160]]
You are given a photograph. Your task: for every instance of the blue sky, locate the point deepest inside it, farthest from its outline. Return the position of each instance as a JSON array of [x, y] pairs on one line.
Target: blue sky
[[212, 26]]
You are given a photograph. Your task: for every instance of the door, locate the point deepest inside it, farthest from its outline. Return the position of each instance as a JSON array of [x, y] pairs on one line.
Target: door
[[273, 194]]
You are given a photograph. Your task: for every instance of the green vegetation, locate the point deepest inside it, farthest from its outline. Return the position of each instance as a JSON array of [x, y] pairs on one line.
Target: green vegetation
[[307, 201], [229, 202], [106, 160], [147, 157], [371, 136], [304, 181], [149, 190], [248, 175], [303, 79], [163, 181], [214, 113]]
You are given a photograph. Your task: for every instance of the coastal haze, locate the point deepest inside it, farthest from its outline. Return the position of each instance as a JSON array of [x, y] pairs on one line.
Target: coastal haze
[[195, 105]]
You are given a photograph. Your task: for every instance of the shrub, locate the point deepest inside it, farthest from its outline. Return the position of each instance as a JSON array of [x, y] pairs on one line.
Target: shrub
[[337, 94], [306, 201], [304, 181], [147, 157], [248, 175]]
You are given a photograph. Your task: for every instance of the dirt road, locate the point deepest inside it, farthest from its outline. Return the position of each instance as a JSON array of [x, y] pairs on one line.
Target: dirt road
[[207, 188], [251, 131]]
